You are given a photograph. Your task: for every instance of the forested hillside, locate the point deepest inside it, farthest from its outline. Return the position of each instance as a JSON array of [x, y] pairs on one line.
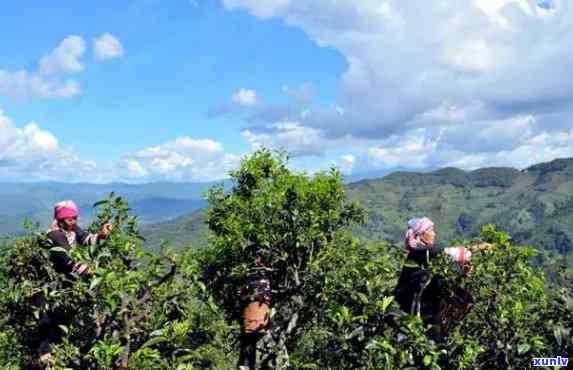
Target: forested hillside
[[534, 205]]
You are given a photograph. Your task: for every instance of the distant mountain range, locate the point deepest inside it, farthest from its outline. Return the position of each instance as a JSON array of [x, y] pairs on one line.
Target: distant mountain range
[[153, 203], [535, 205]]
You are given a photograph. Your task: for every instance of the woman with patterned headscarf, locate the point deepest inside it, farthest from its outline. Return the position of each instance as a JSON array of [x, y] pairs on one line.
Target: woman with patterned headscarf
[[67, 234], [418, 292]]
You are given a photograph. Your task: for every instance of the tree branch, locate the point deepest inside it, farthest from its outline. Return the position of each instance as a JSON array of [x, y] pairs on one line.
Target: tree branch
[[124, 359], [146, 293]]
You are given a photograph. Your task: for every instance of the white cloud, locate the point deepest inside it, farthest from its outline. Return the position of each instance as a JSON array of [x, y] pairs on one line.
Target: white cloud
[[31, 153], [412, 151], [23, 84], [107, 46], [183, 159], [46, 81], [543, 147], [241, 101], [297, 139], [66, 57], [134, 169], [489, 136], [403, 62], [514, 142], [245, 98], [346, 163], [461, 82]]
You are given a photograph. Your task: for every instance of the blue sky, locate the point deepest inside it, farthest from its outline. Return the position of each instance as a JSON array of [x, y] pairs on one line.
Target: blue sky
[[149, 90], [179, 61]]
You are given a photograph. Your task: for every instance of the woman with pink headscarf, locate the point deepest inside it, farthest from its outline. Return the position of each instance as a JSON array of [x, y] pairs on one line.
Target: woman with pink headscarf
[[65, 233], [418, 292]]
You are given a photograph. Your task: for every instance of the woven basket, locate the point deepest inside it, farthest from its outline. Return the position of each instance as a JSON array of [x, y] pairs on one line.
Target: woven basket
[[455, 308], [256, 317]]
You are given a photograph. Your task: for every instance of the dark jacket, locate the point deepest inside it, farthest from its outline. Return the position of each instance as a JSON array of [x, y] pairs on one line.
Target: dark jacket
[[414, 277], [416, 280], [57, 238]]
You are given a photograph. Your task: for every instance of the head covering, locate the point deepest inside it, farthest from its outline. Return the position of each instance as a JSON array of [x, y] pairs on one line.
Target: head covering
[[460, 255], [63, 210], [417, 227]]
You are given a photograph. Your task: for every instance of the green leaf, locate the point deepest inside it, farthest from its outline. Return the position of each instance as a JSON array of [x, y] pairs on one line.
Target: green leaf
[[64, 329], [523, 348], [427, 360], [59, 250], [386, 302], [153, 341], [363, 297], [95, 282]]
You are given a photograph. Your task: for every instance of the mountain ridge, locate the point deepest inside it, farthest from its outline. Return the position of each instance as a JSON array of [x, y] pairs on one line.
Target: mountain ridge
[[534, 204]]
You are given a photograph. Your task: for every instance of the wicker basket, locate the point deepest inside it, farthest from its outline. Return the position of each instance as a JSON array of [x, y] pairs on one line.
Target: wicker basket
[[256, 317], [454, 308]]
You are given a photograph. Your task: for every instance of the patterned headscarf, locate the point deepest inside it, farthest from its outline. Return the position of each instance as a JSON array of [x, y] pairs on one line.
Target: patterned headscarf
[[417, 227], [63, 210]]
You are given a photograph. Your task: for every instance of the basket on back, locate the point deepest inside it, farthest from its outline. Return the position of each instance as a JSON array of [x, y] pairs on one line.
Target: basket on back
[[256, 317], [454, 308], [256, 310]]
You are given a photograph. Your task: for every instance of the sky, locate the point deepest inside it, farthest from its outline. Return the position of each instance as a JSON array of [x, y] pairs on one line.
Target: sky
[[181, 90]]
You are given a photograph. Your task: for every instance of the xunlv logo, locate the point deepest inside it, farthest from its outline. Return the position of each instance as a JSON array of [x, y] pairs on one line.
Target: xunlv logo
[[550, 361]]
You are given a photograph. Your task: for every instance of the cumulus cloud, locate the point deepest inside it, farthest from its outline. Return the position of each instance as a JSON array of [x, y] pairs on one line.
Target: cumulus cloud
[[183, 159], [462, 82], [107, 46], [66, 57], [249, 104], [241, 100], [31, 153], [403, 62], [516, 142], [299, 140], [46, 81], [411, 151], [23, 84], [245, 98]]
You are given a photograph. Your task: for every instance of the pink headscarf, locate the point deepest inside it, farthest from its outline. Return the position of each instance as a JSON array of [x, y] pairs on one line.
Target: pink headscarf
[[63, 210], [417, 227]]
